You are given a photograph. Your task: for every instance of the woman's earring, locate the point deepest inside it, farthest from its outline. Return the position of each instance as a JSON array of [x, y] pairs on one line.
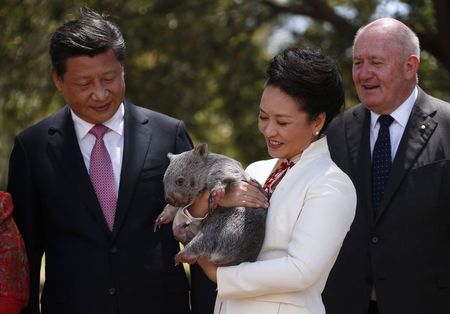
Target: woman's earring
[[316, 133]]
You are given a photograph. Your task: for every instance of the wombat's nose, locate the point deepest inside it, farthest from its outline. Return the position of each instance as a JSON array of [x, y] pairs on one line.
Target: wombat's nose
[[175, 199], [169, 199]]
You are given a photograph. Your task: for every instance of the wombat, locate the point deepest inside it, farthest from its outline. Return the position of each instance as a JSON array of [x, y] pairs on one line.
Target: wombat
[[227, 236]]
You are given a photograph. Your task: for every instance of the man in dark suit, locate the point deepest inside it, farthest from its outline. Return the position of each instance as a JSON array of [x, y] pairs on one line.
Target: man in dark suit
[[396, 256], [101, 254]]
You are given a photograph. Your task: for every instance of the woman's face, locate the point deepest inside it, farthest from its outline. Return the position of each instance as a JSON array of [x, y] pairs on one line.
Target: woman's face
[[288, 130]]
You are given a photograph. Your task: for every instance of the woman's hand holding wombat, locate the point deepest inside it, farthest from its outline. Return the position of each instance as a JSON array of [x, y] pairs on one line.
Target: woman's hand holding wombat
[[243, 193]]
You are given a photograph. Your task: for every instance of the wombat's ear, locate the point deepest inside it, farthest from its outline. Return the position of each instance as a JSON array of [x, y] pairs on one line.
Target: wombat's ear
[[202, 149], [170, 156]]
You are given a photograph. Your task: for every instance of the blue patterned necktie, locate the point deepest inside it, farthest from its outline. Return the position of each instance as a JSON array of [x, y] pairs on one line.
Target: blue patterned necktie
[[381, 160]]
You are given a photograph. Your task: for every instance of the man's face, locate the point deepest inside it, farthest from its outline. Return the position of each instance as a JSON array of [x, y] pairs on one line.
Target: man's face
[[382, 75], [93, 87]]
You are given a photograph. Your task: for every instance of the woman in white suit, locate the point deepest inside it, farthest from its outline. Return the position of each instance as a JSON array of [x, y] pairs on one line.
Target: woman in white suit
[[312, 203]]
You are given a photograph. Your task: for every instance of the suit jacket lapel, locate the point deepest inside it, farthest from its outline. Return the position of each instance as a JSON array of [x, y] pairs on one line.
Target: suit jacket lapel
[[419, 128], [356, 131], [137, 138], [64, 148]]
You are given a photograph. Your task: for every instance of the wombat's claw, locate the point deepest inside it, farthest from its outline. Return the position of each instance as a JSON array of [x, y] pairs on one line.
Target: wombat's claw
[[157, 224], [161, 220]]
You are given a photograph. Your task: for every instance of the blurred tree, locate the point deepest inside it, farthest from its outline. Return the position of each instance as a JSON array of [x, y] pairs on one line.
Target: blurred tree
[[26, 93], [202, 60]]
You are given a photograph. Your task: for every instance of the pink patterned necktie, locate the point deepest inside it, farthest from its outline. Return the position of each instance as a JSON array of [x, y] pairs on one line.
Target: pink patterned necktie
[[275, 177], [102, 175]]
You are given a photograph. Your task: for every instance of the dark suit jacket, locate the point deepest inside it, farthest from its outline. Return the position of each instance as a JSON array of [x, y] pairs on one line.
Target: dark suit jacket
[[90, 270], [405, 250]]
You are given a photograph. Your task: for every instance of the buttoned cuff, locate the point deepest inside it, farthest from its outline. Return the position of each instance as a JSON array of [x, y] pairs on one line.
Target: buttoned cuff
[[188, 218]]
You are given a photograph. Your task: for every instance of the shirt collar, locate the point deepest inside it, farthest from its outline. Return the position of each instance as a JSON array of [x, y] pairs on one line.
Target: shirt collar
[[115, 124], [401, 114]]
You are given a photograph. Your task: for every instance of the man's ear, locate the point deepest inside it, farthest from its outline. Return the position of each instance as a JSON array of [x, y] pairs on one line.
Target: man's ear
[[58, 80], [412, 66]]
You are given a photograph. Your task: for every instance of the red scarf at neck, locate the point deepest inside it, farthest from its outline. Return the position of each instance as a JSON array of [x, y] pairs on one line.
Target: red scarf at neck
[[276, 176]]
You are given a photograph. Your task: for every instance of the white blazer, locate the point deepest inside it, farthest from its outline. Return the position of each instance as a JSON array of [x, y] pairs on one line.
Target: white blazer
[[310, 212]]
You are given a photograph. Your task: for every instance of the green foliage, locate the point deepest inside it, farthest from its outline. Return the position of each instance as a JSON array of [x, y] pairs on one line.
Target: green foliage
[[25, 88], [199, 60]]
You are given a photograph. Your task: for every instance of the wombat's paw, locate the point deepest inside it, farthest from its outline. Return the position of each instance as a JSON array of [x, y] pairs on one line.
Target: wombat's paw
[[161, 220], [181, 257], [180, 233], [215, 196], [165, 217]]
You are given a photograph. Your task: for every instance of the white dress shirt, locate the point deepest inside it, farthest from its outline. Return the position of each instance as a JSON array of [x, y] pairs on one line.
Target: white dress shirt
[[113, 140], [396, 129]]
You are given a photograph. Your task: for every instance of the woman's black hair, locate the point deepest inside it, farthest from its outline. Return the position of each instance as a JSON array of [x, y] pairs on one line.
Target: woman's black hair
[[311, 78]]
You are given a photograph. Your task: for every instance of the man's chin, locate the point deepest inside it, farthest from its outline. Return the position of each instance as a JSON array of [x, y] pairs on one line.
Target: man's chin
[[369, 102]]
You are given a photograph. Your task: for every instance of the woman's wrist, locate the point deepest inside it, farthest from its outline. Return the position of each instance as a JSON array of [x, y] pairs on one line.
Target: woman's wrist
[[209, 268], [199, 208]]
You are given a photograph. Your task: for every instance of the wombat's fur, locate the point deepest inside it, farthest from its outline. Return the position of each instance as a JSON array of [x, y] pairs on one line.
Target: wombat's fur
[[227, 236]]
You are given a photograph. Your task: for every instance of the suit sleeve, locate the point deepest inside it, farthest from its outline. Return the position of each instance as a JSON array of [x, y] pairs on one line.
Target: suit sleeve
[[27, 216], [327, 213], [183, 140]]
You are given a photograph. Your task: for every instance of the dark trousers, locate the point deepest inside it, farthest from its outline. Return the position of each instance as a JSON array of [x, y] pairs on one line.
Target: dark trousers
[[373, 308]]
